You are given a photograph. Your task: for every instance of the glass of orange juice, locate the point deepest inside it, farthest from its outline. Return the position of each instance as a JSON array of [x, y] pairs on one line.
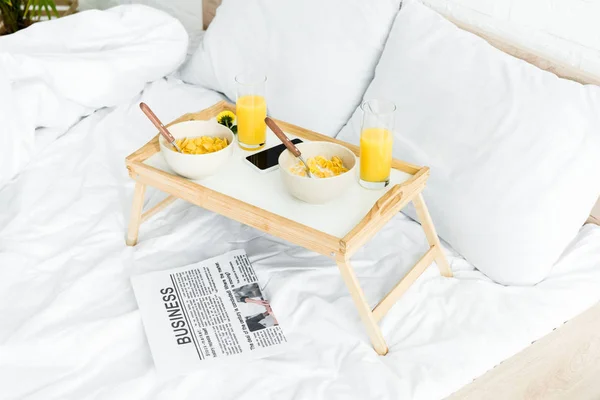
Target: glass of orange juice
[[251, 110], [376, 139]]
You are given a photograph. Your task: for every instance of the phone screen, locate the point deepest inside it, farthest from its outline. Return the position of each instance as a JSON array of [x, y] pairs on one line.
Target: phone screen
[[268, 158]]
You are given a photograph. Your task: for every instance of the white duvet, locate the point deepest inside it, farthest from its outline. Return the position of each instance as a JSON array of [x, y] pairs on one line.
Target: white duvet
[[70, 327], [54, 73]]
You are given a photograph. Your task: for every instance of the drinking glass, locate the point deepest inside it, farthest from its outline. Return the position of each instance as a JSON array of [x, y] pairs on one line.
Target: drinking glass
[[376, 139], [251, 110]]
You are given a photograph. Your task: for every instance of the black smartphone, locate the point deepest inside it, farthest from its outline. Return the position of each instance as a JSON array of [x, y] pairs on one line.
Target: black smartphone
[[266, 160]]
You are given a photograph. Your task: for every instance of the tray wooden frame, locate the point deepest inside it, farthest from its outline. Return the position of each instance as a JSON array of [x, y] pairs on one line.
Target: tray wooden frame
[[339, 249]]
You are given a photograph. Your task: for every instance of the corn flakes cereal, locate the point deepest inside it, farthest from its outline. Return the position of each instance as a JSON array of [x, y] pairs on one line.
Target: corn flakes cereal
[[320, 167], [201, 144]]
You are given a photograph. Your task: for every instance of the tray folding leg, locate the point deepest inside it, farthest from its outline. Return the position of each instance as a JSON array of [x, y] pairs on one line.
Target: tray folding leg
[[364, 310], [136, 213], [381, 213], [431, 234], [137, 217]]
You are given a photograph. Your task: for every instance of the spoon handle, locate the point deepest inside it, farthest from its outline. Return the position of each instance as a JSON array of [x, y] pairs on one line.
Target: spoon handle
[[282, 136], [287, 142], [161, 128]]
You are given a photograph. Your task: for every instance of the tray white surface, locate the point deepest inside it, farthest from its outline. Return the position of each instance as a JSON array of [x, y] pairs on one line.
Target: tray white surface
[[242, 181]]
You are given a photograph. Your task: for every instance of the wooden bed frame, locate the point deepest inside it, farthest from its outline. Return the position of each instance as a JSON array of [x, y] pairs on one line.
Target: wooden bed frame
[[565, 364]]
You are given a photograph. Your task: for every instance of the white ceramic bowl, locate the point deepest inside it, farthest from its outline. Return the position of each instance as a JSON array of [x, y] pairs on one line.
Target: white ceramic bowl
[[317, 190], [197, 166]]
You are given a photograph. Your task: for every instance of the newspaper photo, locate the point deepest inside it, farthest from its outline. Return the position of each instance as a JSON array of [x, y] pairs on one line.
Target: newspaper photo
[[211, 311]]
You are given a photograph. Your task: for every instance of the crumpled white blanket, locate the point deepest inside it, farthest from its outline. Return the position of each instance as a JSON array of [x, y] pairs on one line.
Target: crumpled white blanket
[[56, 72]]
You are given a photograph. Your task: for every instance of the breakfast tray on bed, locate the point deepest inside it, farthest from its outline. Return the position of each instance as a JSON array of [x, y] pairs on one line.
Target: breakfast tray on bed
[[337, 229]]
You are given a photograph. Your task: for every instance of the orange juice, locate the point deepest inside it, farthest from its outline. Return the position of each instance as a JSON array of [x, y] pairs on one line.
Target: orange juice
[[375, 154], [251, 111]]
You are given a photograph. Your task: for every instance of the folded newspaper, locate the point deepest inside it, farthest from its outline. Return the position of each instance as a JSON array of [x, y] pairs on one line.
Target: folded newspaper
[[211, 311]]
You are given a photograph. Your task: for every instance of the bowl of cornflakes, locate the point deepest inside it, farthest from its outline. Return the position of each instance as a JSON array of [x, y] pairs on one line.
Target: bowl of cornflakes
[[332, 168], [206, 146]]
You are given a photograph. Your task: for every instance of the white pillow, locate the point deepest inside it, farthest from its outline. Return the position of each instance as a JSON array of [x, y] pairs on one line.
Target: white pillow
[[319, 56], [514, 151]]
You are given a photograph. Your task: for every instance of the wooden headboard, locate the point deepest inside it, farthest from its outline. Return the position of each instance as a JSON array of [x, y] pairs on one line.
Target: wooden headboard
[[540, 60], [209, 7]]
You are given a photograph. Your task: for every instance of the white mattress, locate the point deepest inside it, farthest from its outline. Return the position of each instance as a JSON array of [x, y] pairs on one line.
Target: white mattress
[[70, 327]]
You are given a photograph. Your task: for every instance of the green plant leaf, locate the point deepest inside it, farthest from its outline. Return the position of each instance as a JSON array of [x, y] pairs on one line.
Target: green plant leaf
[[47, 9], [27, 7], [53, 6]]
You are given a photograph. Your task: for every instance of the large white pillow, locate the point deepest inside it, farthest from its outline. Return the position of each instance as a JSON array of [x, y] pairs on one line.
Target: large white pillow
[[319, 56], [513, 150]]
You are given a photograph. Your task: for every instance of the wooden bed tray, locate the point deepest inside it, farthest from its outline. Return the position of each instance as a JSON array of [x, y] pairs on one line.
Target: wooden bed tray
[[334, 241]]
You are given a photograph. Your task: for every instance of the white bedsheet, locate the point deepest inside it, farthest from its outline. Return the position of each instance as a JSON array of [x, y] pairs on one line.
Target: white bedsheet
[[70, 327]]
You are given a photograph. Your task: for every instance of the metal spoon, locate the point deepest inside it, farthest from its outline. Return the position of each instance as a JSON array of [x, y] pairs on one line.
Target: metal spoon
[[287, 142], [161, 128]]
